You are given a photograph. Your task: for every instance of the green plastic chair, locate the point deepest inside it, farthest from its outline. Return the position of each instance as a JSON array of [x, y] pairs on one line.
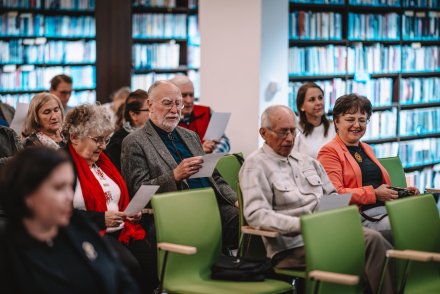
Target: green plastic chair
[[394, 167], [415, 224], [229, 166], [192, 218], [334, 242]]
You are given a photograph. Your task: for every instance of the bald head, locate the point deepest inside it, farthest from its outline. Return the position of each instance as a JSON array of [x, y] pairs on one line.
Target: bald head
[[272, 112], [186, 87]]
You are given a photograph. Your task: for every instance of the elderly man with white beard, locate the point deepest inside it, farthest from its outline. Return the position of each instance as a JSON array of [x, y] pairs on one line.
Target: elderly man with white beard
[[161, 153]]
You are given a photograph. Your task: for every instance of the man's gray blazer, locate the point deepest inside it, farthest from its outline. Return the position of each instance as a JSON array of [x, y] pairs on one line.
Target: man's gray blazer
[[146, 160]]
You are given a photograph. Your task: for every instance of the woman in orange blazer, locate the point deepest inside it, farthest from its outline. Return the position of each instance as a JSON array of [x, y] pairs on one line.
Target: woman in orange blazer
[[352, 165]]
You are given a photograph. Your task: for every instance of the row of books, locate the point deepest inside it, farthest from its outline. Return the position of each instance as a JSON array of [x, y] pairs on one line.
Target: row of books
[[21, 52], [377, 58], [421, 25], [309, 25], [379, 91], [426, 58], [159, 25], [154, 3], [77, 98], [39, 78], [426, 178], [144, 81], [50, 4], [193, 30], [373, 26], [412, 153], [147, 56], [382, 125], [375, 2], [396, 3], [417, 90], [37, 25], [419, 121]]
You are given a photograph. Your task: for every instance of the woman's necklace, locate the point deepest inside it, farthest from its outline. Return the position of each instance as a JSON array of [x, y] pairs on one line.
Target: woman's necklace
[[358, 156], [356, 152]]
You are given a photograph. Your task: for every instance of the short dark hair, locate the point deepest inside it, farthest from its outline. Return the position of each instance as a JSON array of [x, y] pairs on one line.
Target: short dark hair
[[23, 174], [303, 122], [56, 80], [351, 103]]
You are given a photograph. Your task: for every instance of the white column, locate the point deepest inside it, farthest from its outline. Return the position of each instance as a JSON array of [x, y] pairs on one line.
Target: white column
[[244, 47]]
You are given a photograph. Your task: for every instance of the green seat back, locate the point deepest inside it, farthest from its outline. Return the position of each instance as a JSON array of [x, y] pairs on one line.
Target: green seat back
[[192, 218], [228, 166], [415, 223], [394, 167], [334, 242]]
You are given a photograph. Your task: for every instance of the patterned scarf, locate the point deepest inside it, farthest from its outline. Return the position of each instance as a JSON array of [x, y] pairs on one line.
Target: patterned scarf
[[94, 197]]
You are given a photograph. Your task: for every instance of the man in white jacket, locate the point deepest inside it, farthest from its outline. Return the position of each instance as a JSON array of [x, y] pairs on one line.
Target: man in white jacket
[[279, 186]]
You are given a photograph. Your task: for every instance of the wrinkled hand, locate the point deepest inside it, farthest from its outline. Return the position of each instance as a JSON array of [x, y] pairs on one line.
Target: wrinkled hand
[[187, 167], [384, 193], [114, 218], [208, 146], [135, 218]]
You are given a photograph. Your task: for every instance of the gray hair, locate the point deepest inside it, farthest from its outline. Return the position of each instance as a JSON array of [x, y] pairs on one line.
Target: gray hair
[[32, 122], [86, 119], [266, 116], [180, 80], [151, 91]]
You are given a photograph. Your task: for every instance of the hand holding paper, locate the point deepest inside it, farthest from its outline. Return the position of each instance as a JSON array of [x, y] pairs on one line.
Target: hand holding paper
[[209, 163], [140, 199]]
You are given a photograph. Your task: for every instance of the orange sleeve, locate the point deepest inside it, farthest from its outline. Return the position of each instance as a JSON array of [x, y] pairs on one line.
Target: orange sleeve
[[334, 166]]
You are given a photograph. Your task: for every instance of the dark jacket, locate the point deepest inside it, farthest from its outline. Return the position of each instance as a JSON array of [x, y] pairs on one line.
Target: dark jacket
[[9, 143], [113, 149], [23, 271]]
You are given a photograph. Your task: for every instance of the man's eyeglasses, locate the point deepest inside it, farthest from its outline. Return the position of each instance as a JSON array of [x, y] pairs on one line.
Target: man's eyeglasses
[[283, 133], [168, 103], [101, 140], [187, 94]]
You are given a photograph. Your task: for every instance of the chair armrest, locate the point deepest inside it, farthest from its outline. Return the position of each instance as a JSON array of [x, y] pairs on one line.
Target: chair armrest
[[259, 232], [411, 255], [431, 190], [147, 211], [182, 249], [335, 278]]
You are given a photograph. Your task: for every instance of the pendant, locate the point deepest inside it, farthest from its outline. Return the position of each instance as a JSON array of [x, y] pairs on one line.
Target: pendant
[[358, 157]]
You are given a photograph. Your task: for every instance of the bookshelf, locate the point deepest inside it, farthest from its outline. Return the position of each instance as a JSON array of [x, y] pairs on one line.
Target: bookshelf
[[166, 41], [387, 50], [40, 39]]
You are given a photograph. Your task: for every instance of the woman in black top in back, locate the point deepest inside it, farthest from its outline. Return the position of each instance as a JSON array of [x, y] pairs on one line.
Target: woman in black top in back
[[46, 248]]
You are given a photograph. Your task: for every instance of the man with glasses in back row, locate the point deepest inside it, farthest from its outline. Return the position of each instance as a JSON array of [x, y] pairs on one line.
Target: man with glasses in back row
[[161, 153]]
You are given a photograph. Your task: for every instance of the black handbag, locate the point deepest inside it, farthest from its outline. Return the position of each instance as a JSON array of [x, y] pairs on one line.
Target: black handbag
[[241, 269]]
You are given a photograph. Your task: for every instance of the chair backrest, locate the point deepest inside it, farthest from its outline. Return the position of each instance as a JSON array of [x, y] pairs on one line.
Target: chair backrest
[[415, 224], [394, 167], [228, 166], [334, 242], [188, 218]]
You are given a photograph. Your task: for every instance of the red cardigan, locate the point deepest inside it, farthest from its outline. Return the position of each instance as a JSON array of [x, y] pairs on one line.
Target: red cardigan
[[345, 173]]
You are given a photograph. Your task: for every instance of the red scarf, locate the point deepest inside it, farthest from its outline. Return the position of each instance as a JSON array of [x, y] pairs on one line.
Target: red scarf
[[94, 197]]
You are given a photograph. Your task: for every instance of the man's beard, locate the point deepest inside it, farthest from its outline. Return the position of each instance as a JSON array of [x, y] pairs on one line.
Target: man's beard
[[169, 126]]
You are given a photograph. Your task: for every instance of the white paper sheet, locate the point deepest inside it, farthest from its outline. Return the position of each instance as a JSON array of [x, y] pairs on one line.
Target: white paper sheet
[[217, 126], [333, 202], [209, 163], [17, 123], [140, 199]]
